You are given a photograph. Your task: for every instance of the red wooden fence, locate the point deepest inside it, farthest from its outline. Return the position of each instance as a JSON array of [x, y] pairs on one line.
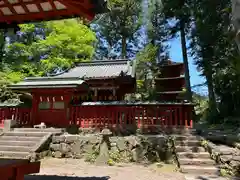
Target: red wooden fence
[[21, 115], [148, 116], [112, 116]]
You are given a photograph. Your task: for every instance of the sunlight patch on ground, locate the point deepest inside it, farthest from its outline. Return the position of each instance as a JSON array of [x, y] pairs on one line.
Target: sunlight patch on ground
[[164, 168]]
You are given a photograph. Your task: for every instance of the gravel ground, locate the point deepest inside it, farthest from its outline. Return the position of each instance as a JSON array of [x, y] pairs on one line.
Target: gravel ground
[[72, 169]]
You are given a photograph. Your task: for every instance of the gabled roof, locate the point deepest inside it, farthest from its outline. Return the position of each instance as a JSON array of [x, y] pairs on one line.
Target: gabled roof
[[22, 11], [47, 82], [101, 69]]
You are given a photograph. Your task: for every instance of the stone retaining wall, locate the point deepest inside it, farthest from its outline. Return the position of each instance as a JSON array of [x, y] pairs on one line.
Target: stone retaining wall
[[115, 149], [218, 136], [227, 157]]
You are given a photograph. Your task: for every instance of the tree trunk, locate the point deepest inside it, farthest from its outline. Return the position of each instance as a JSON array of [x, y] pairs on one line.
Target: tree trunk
[[124, 47], [185, 60], [236, 20], [211, 94], [2, 46]]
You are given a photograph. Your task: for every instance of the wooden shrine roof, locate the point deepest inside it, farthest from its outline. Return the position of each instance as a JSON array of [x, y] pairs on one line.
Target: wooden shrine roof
[[101, 69], [22, 11], [170, 63], [84, 71]]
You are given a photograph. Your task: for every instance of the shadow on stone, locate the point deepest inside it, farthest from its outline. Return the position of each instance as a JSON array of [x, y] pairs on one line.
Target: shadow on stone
[[207, 178], [103, 156]]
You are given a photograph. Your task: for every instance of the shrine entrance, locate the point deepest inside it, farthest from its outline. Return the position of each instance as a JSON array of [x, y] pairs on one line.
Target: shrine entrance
[[52, 110]]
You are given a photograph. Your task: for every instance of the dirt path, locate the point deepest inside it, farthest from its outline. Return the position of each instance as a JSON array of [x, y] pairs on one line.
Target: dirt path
[[72, 169]]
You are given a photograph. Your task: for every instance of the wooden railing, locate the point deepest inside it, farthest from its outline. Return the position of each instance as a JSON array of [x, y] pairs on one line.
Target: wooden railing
[[21, 115], [93, 115], [114, 115]]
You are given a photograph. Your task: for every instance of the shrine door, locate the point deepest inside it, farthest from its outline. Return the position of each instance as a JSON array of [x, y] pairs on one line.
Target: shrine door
[[52, 110]]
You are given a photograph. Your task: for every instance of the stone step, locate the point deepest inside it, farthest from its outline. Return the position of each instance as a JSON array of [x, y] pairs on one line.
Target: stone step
[[178, 130], [25, 134], [186, 137], [21, 138], [189, 149], [183, 149], [205, 170], [13, 154], [196, 161], [15, 148], [17, 143], [48, 130], [191, 155], [188, 143]]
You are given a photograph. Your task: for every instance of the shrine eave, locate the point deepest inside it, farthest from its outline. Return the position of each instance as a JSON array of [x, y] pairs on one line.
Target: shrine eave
[[47, 83], [24, 11]]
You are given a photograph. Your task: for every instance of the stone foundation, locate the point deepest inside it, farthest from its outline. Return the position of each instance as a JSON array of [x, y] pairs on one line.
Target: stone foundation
[[129, 130], [93, 147], [221, 137], [227, 157]]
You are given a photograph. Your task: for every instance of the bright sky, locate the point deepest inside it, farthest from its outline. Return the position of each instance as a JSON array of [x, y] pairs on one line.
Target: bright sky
[[176, 55]]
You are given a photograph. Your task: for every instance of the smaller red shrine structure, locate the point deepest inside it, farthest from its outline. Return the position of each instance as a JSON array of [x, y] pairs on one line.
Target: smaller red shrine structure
[[170, 81], [91, 95]]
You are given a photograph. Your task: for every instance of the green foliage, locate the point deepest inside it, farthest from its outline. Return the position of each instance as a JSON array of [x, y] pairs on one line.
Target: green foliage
[[117, 29], [115, 156], [91, 157], [6, 79], [50, 47], [146, 69], [44, 48], [69, 43], [110, 162], [201, 106], [216, 55]]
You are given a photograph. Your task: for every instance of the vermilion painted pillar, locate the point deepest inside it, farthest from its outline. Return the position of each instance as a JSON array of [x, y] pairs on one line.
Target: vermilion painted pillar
[[114, 95], [34, 110], [95, 95], [67, 99]]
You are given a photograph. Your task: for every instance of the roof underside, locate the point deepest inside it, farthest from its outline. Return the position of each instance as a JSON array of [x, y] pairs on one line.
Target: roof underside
[[101, 69], [20, 11]]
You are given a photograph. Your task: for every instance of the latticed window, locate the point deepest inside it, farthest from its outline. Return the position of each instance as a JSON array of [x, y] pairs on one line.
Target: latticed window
[[58, 105], [44, 105]]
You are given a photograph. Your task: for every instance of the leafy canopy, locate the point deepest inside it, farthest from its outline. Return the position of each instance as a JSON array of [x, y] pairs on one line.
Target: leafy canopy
[[51, 47], [43, 48]]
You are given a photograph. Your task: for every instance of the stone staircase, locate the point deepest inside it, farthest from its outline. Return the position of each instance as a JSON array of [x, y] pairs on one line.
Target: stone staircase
[[194, 161], [22, 143]]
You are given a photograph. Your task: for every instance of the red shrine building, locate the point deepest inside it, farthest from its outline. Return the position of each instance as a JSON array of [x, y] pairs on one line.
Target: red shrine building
[[170, 81], [92, 95], [102, 81]]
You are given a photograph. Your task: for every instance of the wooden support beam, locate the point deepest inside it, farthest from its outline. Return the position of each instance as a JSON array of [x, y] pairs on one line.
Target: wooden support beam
[[73, 9], [80, 10]]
